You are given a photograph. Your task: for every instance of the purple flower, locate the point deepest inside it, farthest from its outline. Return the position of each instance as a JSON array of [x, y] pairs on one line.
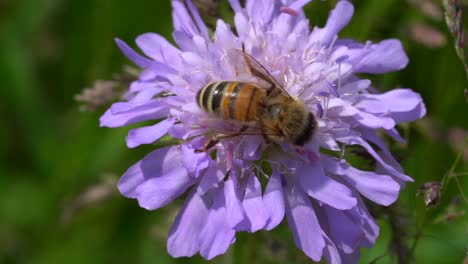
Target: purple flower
[[320, 194]]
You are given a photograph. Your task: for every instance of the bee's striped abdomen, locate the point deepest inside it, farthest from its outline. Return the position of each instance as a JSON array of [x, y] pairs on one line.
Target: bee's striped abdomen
[[231, 100]]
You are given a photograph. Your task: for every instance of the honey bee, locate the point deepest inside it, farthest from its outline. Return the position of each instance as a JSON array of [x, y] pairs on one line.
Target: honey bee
[[268, 110]]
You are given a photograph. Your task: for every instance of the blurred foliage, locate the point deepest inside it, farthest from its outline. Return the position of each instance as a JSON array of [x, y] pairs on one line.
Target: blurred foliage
[[58, 201]]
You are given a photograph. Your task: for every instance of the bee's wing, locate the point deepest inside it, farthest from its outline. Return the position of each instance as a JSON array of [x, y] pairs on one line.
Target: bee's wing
[[242, 58]]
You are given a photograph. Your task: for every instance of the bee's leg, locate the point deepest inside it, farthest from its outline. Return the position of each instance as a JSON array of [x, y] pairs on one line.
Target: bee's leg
[[228, 172], [243, 129], [215, 139], [211, 143]]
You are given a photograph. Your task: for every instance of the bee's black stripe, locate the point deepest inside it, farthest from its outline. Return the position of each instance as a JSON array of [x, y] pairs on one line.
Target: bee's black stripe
[[218, 96], [206, 95], [250, 104], [307, 131], [232, 102]]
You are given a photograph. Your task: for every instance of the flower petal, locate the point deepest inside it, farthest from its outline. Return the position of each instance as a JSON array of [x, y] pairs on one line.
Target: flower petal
[[274, 201], [201, 26], [331, 252], [346, 234], [386, 56], [195, 163], [316, 184], [159, 191], [224, 38], [158, 163], [216, 235], [369, 227], [149, 111], [182, 19], [212, 177], [234, 211], [260, 11], [139, 60], [253, 205], [359, 141], [158, 48], [403, 105], [303, 222], [149, 134], [183, 240], [337, 20], [381, 189], [299, 4], [235, 5]]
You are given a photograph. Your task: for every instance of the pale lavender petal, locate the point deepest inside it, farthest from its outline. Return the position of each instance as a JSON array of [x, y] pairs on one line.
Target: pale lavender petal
[[211, 179], [374, 121], [158, 163], [158, 48], [139, 60], [403, 105], [260, 11], [303, 222], [183, 238], [274, 201], [242, 25], [141, 113], [182, 19], [235, 5], [129, 107], [195, 163], [331, 252], [346, 234], [223, 37], [254, 205], [183, 40], [198, 20], [159, 191], [298, 4], [144, 96], [381, 189], [234, 211], [316, 184], [149, 134], [375, 155], [396, 135], [386, 56], [369, 227], [338, 18], [251, 147], [216, 235]]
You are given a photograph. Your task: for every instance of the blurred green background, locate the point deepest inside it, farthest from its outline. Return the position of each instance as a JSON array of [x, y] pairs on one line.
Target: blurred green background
[[58, 169]]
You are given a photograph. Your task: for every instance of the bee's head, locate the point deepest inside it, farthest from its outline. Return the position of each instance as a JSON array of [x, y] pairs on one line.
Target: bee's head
[[297, 123]]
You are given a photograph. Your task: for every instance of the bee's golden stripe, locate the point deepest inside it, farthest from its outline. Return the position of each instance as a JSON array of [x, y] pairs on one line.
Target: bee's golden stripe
[[249, 109], [235, 99], [226, 101], [254, 102], [244, 99], [231, 100]]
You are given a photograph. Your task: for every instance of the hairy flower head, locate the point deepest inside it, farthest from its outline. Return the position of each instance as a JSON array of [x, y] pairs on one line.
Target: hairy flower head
[[317, 190]]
